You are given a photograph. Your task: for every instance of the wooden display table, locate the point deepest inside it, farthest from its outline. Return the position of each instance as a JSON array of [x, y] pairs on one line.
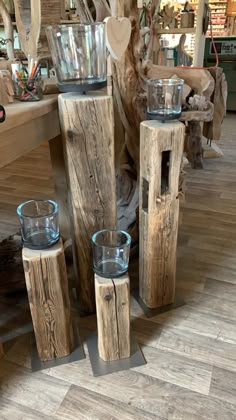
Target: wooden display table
[[27, 126]]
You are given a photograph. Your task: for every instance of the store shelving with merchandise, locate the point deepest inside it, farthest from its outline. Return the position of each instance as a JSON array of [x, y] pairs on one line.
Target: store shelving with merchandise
[[218, 16], [190, 39]]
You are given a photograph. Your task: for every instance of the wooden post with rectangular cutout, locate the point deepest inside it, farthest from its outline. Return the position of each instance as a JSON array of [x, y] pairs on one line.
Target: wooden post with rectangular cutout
[[161, 151], [47, 287], [87, 125], [113, 317]]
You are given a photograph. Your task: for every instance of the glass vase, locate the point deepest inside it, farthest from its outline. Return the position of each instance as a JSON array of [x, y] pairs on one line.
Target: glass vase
[[79, 55]]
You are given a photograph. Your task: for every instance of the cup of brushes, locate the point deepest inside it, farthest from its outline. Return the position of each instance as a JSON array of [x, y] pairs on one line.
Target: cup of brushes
[[29, 82]]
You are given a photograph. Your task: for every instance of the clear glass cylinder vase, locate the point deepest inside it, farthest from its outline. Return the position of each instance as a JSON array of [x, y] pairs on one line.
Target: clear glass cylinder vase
[[164, 99], [78, 54], [39, 223], [111, 253]]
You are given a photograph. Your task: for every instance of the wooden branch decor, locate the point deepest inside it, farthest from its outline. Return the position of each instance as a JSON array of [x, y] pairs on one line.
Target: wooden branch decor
[[46, 282], [8, 29], [161, 151], [113, 317], [87, 125], [129, 75], [28, 22]]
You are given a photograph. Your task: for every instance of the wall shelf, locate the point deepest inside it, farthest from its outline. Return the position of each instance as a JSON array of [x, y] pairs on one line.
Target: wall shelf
[[176, 31]]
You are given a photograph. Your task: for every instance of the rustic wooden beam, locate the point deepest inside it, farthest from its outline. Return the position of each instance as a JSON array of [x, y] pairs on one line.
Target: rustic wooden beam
[[161, 151], [47, 287], [59, 174], [87, 125], [113, 317]]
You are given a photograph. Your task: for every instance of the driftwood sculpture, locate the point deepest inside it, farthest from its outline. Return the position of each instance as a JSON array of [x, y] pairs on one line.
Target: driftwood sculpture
[[129, 88]]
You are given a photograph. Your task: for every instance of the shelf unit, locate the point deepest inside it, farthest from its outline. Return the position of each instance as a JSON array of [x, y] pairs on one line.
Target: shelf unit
[[218, 14], [179, 31], [195, 40]]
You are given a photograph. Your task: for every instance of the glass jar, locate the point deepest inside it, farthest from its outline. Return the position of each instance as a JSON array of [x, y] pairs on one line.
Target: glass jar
[[39, 223], [164, 99], [111, 253], [79, 55], [29, 90]]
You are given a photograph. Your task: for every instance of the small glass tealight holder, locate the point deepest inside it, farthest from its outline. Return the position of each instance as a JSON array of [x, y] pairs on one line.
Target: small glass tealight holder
[[111, 253], [39, 223], [164, 99]]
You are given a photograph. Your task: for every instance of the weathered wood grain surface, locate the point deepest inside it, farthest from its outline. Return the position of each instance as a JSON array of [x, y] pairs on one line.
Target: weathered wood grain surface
[[113, 317], [191, 352], [87, 125], [161, 151], [47, 287]]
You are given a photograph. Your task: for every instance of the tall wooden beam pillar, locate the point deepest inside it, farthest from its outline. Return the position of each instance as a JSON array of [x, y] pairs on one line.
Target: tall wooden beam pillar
[[161, 150], [87, 125]]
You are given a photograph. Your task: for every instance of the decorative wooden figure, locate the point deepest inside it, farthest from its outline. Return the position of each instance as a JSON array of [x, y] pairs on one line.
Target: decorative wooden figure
[[87, 125], [47, 286], [113, 317], [161, 151]]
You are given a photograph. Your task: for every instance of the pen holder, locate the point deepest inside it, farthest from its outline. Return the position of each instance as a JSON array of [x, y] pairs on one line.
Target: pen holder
[[30, 90]]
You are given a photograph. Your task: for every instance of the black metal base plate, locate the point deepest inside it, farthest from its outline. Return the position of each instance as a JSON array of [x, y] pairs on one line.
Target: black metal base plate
[[100, 368], [80, 88], [77, 354], [163, 118], [150, 313]]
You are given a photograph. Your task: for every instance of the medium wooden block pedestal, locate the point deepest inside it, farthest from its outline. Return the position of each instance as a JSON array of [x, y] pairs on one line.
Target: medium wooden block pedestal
[[87, 125], [113, 317], [161, 151], [47, 287]]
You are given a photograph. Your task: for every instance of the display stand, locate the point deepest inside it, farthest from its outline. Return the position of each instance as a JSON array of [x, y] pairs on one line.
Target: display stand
[[113, 317], [47, 287], [161, 151], [87, 125]]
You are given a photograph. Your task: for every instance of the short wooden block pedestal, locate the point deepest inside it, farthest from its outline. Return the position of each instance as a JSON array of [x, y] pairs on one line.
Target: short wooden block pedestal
[[161, 151], [113, 317], [46, 282], [87, 125]]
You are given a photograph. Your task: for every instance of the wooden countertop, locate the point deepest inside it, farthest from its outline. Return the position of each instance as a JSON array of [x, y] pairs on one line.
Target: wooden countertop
[[27, 125]]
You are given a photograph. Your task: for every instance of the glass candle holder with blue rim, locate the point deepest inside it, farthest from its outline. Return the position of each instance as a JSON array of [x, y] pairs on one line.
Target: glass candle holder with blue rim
[[111, 250], [39, 223], [164, 99]]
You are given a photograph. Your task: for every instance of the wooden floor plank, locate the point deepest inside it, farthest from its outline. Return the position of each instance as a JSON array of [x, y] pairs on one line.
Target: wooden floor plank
[[34, 390], [91, 405], [177, 370], [11, 410], [223, 385], [185, 343]]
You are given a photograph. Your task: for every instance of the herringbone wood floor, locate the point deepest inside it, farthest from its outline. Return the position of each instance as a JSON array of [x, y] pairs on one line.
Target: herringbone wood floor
[[190, 352]]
